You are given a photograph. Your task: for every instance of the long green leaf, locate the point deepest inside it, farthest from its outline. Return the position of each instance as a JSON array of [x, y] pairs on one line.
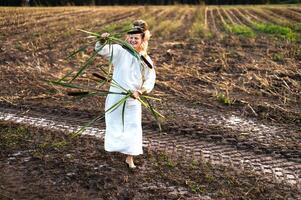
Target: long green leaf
[[111, 59], [99, 76], [123, 113], [98, 92], [111, 109], [123, 43], [149, 97], [120, 93], [117, 104], [126, 46], [68, 85], [82, 48], [65, 76], [91, 33], [84, 67], [154, 114], [87, 64], [74, 134], [148, 106], [78, 93]]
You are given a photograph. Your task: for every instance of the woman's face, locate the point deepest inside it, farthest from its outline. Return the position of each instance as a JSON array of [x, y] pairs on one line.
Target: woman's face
[[135, 40]]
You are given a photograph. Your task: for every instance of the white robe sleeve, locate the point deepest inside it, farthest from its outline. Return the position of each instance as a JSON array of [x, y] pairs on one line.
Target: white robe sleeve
[[106, 51], [150, 78]]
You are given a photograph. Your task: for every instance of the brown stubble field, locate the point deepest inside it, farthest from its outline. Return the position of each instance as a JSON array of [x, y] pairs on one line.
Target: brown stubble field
[[210, 61], [202, 61]]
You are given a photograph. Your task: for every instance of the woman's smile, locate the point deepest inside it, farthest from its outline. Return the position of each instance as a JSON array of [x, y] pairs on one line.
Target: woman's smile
[[135, 40]]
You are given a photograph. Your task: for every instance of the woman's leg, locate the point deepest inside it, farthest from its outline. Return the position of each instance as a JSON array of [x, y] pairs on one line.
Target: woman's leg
[[130, 161]]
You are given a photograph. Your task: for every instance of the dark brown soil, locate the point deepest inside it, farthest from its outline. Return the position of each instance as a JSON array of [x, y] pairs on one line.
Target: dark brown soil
[[39, 164]]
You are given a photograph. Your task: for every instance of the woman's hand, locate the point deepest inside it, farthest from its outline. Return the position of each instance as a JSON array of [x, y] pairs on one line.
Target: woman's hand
[[136, 94], [89, 50], [105, 35]]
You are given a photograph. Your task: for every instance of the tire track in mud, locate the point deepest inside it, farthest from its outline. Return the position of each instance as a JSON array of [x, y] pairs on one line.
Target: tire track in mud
[[177, 143], [241, 132]]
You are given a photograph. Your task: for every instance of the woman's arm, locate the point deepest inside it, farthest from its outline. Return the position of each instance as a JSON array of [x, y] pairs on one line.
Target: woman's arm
[[107, 49], [150, 78], [148, 84]]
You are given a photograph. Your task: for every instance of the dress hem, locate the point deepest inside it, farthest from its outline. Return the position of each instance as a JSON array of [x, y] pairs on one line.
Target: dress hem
[[127, 153]]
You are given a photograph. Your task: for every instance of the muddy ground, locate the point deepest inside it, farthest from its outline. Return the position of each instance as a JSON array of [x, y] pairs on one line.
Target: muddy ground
[[39, 164], [257, 79]]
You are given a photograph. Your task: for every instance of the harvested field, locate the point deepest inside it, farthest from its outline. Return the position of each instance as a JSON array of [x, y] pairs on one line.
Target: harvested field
[[227, 76]]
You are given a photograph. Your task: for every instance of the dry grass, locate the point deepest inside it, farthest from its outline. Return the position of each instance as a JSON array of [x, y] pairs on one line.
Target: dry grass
[[199, 27]]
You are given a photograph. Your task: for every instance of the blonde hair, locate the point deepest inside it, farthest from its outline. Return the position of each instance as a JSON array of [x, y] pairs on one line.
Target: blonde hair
[[144, 44]]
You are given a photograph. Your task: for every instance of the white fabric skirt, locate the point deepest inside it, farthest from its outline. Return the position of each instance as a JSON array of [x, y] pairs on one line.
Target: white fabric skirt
[[124, 138]]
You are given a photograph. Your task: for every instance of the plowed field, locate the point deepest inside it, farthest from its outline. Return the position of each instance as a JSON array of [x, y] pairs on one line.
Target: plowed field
[[212, 63]]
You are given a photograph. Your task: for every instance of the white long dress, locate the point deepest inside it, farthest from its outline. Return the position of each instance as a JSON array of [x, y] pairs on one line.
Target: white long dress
[[131, 75]]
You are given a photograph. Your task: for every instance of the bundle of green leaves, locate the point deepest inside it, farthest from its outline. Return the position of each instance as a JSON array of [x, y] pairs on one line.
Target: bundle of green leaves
[[67, 80]]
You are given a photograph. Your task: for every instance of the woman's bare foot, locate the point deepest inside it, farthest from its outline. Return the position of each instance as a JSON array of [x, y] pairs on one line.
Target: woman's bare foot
[[130, 161]]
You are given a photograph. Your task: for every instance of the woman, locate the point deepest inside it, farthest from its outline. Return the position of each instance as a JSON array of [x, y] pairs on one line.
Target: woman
[[132, 75]]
